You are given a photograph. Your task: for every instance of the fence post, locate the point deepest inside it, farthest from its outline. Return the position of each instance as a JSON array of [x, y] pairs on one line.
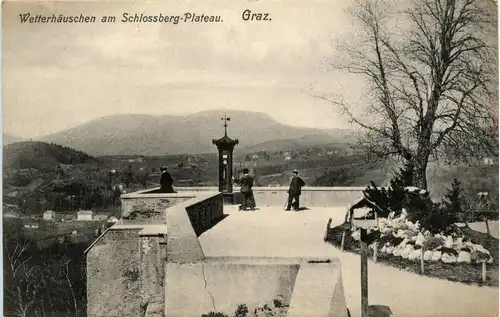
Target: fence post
[[483, 271], [422, 271], [364, 278], [487, 226], [342, 243], [328, 225], [375, 250]]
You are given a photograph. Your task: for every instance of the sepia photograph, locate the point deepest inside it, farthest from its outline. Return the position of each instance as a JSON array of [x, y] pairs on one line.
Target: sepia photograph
[[250, 158]]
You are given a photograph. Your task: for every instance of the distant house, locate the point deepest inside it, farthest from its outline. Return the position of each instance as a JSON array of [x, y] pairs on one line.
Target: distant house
[[84, 215], [67, 218], [49, 215], [12, 193], [488, 161], [288, 158], [31, 224], [101, 217], [10, 214], [112, 219]]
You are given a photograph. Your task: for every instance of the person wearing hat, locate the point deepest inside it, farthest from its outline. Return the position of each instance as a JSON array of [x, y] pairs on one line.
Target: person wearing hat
[[166, 181], [246, 183], [294, 191]]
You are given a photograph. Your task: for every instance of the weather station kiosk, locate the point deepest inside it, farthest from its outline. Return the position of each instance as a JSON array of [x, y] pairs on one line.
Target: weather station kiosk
[[225, 146]]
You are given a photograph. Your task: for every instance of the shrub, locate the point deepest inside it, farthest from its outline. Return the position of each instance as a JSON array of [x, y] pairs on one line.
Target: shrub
[[214, 314], [432, 243], [393, 198], [455, 202]]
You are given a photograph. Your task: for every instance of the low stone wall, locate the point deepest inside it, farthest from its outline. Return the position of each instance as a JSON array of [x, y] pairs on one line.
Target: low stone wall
[[311, 287], [311, 196], [148, 206]]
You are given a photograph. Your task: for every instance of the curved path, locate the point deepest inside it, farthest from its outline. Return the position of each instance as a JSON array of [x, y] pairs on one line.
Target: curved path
[[274, 232]]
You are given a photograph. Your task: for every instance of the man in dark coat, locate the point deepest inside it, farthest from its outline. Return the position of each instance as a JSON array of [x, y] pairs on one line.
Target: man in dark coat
[[294, 191], [166, 181], [246, 183]]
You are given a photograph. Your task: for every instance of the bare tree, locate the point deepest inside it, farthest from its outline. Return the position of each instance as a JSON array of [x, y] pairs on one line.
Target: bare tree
[[25, 283], [432, 80]]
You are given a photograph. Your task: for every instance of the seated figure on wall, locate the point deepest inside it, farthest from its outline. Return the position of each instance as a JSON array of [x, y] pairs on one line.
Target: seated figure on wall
[[166, 181]]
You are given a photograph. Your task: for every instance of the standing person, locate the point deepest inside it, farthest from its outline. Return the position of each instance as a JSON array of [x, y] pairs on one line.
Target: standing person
[[246, 183], [166, 181], [294, 191]]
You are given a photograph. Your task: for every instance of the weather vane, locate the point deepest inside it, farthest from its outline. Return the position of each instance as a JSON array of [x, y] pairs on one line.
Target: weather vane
[[226, 119]]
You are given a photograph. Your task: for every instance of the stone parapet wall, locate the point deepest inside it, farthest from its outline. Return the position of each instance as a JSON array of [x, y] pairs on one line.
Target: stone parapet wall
[[309, 286], [311, 196], [205, 212], [153, 255], [113, 275], [148, 206]]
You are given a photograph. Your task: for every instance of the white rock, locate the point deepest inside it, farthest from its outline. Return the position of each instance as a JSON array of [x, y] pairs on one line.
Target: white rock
[[436, 256], [417, 225], [412, 189], [415, 255], [449, 242], [428, 255], [400, 234], [480, 248], [398, 250], [387, 230], [448, 258], [404, 214], [406, 252], [420, 239], [464, 257]]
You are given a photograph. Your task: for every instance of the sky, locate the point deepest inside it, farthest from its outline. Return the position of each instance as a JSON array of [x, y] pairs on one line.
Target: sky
[[56, 76]]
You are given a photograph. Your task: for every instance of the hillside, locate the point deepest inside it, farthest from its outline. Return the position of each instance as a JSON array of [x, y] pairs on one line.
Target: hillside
[[8, 138], [304, 142], [190, 134], [41, 156]]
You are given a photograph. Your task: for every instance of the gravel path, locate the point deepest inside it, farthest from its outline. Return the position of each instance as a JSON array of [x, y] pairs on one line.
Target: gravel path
[[274, 232]]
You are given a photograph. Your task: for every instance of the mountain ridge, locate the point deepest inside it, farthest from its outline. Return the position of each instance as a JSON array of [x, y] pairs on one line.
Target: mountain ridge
[[132, 134]]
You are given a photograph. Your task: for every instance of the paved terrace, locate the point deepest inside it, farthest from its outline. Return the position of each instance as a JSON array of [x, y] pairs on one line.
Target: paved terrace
[[273, 232]]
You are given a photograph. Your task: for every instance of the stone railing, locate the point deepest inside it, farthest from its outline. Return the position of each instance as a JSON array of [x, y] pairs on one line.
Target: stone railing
[[310, 197]]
